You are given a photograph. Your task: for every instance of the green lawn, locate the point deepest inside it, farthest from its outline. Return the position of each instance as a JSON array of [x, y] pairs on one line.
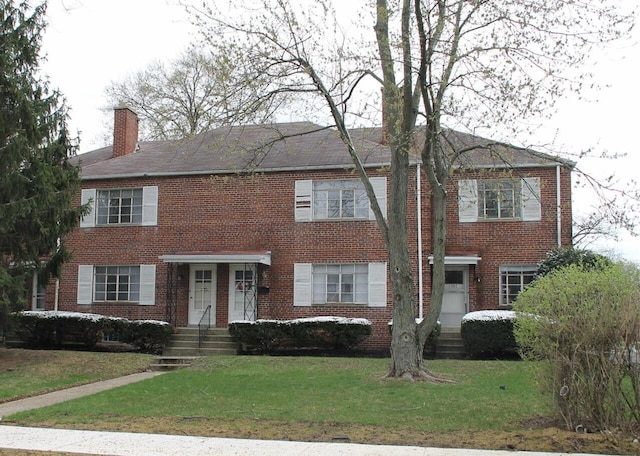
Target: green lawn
[[485, 395]]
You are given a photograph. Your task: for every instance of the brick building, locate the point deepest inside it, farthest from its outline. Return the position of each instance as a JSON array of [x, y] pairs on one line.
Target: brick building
[[271, 222]]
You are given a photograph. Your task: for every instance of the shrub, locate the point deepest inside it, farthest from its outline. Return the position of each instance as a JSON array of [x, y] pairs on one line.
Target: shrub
[[327, 333], [584, 326], [489, 333], [39, 329], [42, 329], [564, 256], [148, 336]]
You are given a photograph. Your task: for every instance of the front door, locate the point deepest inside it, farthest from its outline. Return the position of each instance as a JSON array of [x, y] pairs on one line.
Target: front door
[[243, 292], [456, 293], [202, 292]]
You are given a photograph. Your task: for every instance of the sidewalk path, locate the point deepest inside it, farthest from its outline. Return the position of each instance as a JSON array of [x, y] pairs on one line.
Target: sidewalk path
[[130, 444], [44, 400]]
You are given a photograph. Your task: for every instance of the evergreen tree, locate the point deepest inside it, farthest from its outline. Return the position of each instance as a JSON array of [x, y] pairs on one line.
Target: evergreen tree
[[38, 183]]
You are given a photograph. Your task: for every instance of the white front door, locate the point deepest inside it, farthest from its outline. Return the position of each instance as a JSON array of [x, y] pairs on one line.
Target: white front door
[[202, 292], [456, 296], [243, 296]]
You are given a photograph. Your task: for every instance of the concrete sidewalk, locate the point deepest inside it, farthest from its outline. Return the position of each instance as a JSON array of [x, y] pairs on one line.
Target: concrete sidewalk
[[130, 444]]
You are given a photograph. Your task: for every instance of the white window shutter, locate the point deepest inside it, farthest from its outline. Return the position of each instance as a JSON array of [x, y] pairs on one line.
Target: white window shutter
[[88, 195], [467, 201], [85, 284], [147, 284], [379, 185], [531, 207], [302, 284], [304, 199], [150, 205], [377, 284]]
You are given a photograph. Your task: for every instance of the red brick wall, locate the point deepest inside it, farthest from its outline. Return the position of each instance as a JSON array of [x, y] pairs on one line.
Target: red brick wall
[[208, 213], [125, 131]]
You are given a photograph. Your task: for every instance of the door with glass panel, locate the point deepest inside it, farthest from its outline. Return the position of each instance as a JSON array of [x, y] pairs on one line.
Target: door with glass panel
[[456, 292], [202, 292], [243, 292]]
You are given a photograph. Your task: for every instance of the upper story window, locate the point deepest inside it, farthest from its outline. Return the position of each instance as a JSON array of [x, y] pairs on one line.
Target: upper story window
[[120, 206], [513, 279], [125, 206], [338, 199], [498, 199]]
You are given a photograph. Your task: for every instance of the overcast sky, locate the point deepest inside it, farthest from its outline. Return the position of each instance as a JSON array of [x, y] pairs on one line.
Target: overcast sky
[[90, 43]]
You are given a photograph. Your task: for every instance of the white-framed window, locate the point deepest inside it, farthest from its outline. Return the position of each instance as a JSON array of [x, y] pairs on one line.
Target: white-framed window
[[117, 283], [340, 284], [338, 199], [497, 199], [125, 206], [119, 206], [513, 279]]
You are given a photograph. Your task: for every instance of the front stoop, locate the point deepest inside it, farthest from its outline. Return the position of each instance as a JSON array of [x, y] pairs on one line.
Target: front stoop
[[185, 343], [449, 345], [170, 363]]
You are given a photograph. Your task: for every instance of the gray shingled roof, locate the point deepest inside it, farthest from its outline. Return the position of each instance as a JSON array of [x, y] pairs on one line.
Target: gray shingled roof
[[285, 146]]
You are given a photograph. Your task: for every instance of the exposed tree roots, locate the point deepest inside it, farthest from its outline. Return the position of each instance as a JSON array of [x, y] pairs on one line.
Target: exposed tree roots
[[420, 375]]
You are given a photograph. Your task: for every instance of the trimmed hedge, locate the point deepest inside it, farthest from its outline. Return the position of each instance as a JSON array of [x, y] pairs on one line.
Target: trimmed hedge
[[51, 329], [326, 333], [489, 333]]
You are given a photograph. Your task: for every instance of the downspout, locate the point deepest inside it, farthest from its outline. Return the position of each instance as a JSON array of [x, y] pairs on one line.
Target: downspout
[[558, 206], [57, 290], [419, 214]]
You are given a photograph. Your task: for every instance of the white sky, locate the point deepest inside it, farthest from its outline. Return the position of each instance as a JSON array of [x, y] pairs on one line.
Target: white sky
[[90, 43]]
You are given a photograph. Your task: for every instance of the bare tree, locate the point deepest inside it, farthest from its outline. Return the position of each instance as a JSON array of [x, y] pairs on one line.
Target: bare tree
[[472, 63], [189, 95]]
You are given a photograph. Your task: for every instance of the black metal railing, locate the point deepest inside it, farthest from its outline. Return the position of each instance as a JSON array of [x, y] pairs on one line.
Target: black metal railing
[[203, 325]]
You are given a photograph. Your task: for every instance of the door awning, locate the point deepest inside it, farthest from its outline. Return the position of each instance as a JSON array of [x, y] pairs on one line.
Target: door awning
[[220, 256], [458, 259]]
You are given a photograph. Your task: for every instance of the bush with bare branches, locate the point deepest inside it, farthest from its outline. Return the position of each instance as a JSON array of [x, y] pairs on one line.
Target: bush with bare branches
[[583, 327]]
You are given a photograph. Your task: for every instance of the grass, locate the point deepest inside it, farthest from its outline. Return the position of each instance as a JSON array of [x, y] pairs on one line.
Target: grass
[[491, 405], [493, 394], [26, 373]]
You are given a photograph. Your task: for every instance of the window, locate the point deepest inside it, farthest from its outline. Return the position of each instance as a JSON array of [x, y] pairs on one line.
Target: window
[[127, 206], [117, 283], [344, 283], [513, 279], [362, 283], [339, 199], [115, 207], [114, 284], [499, 198]]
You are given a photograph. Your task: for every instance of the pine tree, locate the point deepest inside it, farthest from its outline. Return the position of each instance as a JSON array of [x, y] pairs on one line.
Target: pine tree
[[38, 183]]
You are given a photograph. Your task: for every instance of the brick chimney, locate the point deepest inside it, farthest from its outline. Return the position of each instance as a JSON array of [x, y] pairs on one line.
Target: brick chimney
[[125, 131]]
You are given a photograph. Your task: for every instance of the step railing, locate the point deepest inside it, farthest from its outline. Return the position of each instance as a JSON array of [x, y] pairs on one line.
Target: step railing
[[203, 325]]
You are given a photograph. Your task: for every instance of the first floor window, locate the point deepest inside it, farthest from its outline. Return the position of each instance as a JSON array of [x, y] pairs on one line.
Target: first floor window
[[513, 279], [117, 283], [343, 283]]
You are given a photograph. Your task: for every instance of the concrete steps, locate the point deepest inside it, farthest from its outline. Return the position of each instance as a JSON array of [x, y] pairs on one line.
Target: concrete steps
[[449, 345], [185, 343], [170, 363]]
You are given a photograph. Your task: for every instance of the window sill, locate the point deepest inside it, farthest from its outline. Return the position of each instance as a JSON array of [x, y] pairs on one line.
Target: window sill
[[340, 304]]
